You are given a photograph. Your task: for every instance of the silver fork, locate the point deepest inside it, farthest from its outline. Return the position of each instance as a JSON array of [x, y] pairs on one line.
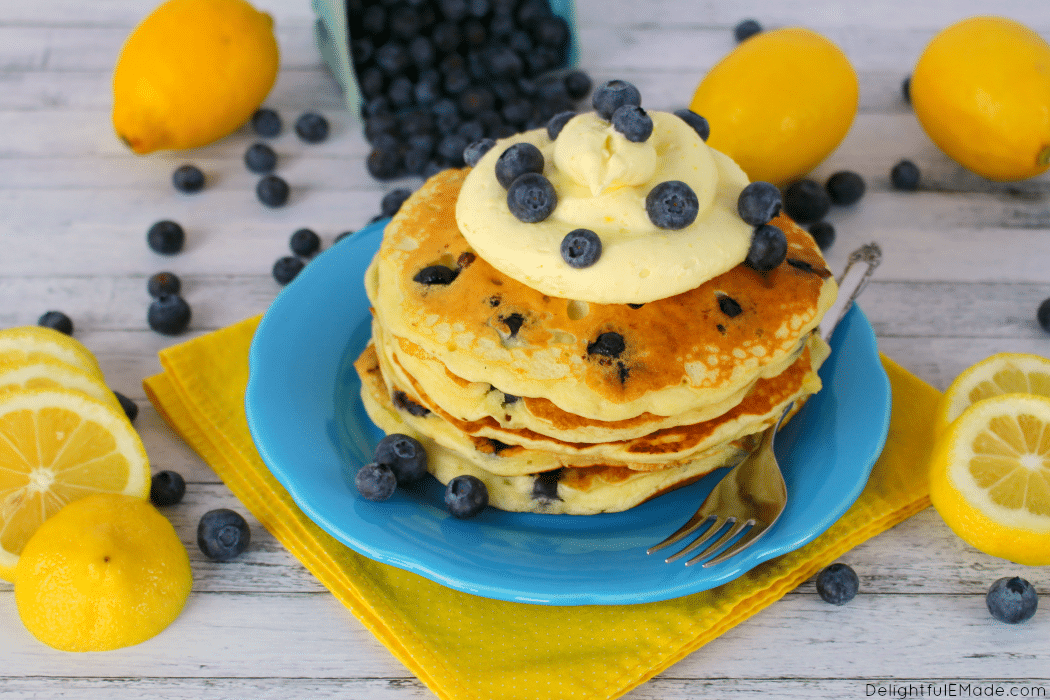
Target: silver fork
[[751, 497]]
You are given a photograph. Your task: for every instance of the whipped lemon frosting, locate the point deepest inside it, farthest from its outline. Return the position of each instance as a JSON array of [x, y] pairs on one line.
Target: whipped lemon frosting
[[602, 181]]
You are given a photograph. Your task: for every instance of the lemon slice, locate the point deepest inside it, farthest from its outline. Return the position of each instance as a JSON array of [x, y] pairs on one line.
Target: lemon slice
[[29, 343], [52, 374], [1004, 373], [56, 446], [990, 477]]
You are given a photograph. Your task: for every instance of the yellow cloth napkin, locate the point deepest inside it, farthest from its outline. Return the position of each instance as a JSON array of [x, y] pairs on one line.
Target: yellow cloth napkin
[[462, 646]]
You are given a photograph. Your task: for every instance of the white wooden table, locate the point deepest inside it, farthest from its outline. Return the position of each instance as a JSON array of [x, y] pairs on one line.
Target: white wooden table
[[965, 268]]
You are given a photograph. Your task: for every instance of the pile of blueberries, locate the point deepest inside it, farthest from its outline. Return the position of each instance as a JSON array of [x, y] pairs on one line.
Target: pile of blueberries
[[438, 75]]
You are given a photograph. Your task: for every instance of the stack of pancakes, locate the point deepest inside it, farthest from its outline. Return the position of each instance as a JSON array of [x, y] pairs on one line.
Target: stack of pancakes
[[562, 406]]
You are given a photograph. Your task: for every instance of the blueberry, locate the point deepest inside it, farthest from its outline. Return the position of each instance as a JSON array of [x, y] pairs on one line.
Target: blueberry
[[169, 314], [166, 488], [456, 81], [222, 534], [806, 201], [131, 409], [415, 160], [188, 178], [473, 153], [311, 127], [165, 237], [401, 92], [451, 149], [633, 122], [304, 242], [405, 22], [517, 160], [285, 269], [466, 496], [404, 455], [581, 248], [609, 344], [556, 123], [758, 203], [768, 248], [1012, 600], [421, 50], [384, 163], [56, 320], [376, 482], [699, 124], [552, 31], [272, 191], [1043, 315], [475, 100], [163, 283], [845, 187], [577, 84], [266, 123], [905, 176], [823, 234], [446, 36], [393, 200], [471, 131], [392, 58], [906, 89], [672, 205], [837, 584], [531, 198], [517, 111], [729, 306], [260, 158], [613, 94], [371, 81], [746, 29], [435, 274]]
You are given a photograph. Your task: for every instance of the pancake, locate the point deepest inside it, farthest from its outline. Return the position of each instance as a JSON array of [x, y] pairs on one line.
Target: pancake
[[606, 362]]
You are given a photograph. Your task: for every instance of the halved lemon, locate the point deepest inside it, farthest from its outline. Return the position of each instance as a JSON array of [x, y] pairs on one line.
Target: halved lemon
[[57, 446], [990, 477], [1003, 373], [51, 374], [28, 343]]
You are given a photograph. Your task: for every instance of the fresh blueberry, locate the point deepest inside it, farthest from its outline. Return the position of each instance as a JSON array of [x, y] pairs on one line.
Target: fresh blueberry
[[837, 584], [451, 148], [421, 50], [633, 122], [393, 200], [758, 203], [456, 81], [845, 187], [531, 198], [304, 242], [393, 58], [404, 455], [166, 488], [581, 248], [285, 269], [746, 29], [556, 123], [131, 409], [608, 344], [260, 158], [56, 320], [517, 111], [473, 153], [475, 100], [435, 274], [905, 176], [222, 534], [401, 92], [272, 191], [376, 482], [266, 123], [188, 178], [768, 248], [1043, 315], [361, 50], [1012, 600], [311, 127], [577, 84], [165, 237], [384, 163], [552, 31], [471, 131], [466, 496], [168, 314], [806, 201], [699, 124], [405, 22], [163, 283], [823, 234], [371, 80], [613, 94], [672, 205], [906, 89], [517, 160]]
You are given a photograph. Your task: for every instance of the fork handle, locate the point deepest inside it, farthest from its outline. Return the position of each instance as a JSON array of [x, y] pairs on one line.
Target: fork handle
[[851, 284]]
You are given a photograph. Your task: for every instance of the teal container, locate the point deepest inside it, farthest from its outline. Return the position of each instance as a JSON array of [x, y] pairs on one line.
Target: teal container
[[331, 34]]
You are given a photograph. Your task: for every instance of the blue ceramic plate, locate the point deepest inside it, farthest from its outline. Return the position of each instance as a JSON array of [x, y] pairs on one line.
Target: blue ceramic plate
[[309, 425]]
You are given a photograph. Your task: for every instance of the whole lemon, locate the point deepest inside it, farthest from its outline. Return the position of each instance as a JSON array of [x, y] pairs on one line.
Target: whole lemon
[[779, 103], [106, 571], [192, 72], [981, 90]]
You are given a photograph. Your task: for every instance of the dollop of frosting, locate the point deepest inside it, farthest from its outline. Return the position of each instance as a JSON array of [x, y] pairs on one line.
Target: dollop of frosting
[[602, 181]]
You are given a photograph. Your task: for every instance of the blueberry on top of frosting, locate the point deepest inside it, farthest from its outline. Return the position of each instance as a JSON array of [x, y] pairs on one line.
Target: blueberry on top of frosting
[[531, 198], [672, 205], [613, 94], [517, 160], [581, 248], [633, 122]]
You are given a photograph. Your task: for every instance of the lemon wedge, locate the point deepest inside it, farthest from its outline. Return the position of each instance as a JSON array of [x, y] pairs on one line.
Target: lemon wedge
[[990, 477], [1003, 373]]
